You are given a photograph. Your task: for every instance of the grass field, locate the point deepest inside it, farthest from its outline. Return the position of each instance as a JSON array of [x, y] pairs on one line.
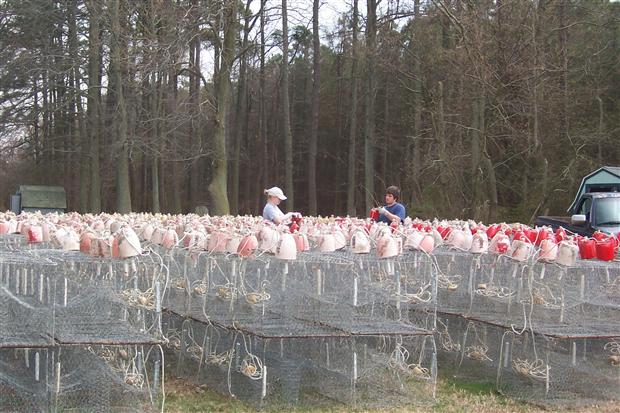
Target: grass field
[[453, 396]]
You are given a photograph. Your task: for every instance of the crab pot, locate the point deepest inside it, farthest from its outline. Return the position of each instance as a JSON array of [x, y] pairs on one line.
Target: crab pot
[[349, 292], [287, 370], [467, 349], [455, 272], [560, 371], [27, 290], [356, 294], [551, 299], [75, 378]]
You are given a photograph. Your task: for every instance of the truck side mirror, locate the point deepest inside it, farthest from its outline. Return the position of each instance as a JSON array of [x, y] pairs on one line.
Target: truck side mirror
[[578, 219]]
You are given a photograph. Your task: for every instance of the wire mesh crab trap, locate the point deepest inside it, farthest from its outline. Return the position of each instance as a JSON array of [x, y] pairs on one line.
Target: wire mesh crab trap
[[41, 305], [11, 242], [319, 288], [559, 371], [467, 349], [94, 379], [25, 295], [400, 289], [528, 366], [365, 371], [55, 322], [551, 299]]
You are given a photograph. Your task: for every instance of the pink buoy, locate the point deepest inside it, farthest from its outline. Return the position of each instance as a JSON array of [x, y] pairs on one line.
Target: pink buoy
[[95, 247], [247, 246], [268, 239], [85, 241], [360, 243], [389, 246], [520, 250], [301, 241], [427, 244], [412, 242], [35, 233], [147, 232], [217, 242], [170, 239], [327, 243], [567, 253], [286, 249], [128, 243], [499, 244], [233, 244], [548, 250]]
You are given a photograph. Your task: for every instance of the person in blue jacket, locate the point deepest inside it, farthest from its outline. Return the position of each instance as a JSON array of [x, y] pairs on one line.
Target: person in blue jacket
[[393, 210]]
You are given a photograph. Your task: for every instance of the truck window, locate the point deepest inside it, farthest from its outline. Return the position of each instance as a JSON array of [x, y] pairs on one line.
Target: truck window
[[584, 208], [607, 211]]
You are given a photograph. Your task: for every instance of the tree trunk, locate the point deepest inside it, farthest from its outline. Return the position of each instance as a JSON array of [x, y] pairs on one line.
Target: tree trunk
[[123, 192], [371, 92], [476, 156], [177, 205], [195, 133], [314, 128], [444, 164], [262, 117], [242, 107], [416, 168], [78, 111], [155, 119], [93, 111], [351, 169], [218, 186], [286, 115]]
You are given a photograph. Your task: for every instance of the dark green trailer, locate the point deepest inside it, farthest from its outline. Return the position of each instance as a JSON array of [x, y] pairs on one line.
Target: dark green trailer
[[47, 199]]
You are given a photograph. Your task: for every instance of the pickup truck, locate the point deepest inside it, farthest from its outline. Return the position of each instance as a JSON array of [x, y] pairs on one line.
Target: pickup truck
[[594, 211]]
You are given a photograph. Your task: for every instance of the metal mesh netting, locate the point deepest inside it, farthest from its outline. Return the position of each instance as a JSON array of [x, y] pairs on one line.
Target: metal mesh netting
[[94, 378], [55, 320], [42, 304], [559, 371], [343, 326], [530, 366], [25, 290], [366, 371], [265, 295], [17, 242], [576, 301], [269, 331]]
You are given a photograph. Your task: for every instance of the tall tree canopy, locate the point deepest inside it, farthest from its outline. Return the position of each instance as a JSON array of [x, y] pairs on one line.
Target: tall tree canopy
[[491, 110]]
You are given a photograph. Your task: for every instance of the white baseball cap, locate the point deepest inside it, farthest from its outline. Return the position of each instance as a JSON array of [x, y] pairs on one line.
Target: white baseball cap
[[275, 191]]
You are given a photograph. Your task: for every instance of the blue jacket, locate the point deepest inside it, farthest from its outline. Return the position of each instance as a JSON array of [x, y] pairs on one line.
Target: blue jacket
[[396, 209]]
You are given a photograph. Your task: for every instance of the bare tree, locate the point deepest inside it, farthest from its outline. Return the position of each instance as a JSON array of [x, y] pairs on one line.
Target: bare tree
[[314, 129], [286, 113], [123, 190], [371, 96], [352, 158], [218, 188]]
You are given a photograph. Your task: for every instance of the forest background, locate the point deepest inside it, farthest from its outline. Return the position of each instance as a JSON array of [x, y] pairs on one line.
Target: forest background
[[491, 110]]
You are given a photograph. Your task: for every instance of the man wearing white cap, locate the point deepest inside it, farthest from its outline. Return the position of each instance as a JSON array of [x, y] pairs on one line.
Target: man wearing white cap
[[271, 212]]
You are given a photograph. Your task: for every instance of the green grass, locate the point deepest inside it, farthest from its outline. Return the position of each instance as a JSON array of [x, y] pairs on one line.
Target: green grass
[[453, 396]]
